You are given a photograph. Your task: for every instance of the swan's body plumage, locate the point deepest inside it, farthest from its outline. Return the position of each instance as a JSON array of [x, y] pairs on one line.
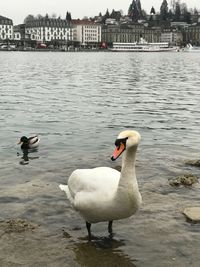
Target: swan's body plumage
[[103, 193]]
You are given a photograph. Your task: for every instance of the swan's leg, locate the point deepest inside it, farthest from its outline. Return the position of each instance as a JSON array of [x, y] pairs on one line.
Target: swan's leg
[[88, 226], [110, 227]]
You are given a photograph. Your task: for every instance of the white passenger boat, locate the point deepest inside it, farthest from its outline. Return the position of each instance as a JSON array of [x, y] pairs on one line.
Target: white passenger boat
[[142, 46]]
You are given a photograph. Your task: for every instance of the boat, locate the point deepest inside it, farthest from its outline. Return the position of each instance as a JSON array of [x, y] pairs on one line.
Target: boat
[[191, 48], [142, 46]]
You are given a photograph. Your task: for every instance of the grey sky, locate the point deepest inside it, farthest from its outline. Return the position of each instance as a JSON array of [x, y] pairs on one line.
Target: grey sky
[[17, 10]]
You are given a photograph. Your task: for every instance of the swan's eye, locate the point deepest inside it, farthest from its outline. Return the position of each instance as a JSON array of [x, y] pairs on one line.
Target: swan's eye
[[119, 141]]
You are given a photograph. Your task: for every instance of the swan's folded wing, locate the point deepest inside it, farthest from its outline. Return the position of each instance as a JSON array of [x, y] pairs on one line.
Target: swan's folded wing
[[89, 180]]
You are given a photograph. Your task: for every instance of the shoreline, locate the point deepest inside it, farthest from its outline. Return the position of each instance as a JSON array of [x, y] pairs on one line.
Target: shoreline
[[54, 50]]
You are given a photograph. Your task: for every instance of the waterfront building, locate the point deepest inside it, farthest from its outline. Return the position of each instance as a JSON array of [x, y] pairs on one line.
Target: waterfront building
[[86, 33], [21, 39], [49, 30], [192, 34], [6, 29], [173, 37], [129, 33], [17, 35], [19, 32]]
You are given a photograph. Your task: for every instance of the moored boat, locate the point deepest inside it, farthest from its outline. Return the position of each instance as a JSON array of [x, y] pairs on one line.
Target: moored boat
[[142, 46]]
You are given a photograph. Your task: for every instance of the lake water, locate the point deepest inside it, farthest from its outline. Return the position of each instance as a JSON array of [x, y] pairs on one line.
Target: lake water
[[78, 103]]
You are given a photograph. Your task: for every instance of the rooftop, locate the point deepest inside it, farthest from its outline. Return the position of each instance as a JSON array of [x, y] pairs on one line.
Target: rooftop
[[4, 18], [82, 22]]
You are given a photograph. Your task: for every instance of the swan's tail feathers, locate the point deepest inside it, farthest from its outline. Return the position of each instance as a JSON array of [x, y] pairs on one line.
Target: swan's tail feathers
[[65, 188]]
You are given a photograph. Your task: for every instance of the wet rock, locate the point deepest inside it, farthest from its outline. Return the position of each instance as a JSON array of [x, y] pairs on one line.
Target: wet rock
[[192, 214], [195, 163], [16, 226], [186, 180], [66, 234]]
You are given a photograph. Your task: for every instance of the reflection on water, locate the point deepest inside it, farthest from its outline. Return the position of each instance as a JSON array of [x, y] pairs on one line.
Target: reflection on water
[[102, 252], [25, 157]]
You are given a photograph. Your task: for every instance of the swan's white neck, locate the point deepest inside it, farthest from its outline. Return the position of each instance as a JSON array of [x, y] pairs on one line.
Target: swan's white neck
[[128, 175]]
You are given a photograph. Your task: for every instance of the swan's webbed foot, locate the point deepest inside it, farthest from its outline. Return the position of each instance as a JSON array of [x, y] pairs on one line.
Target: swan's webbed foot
[[110, 231], [88, 226]]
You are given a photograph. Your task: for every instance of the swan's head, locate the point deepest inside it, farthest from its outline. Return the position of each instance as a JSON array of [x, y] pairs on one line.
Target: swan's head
[[125, 140]]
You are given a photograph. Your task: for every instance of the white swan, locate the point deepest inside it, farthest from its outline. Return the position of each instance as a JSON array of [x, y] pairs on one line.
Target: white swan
[[105, 194]]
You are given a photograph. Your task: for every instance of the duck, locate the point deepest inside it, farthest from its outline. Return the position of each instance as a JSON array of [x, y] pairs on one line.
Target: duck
[[103, 194], [29, 142]]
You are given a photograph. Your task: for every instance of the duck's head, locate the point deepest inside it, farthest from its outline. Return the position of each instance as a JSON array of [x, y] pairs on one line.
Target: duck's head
[[125, 140], [23, 140]]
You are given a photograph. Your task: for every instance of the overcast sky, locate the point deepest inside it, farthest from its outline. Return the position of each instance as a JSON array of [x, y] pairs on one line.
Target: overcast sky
[[17, 10]]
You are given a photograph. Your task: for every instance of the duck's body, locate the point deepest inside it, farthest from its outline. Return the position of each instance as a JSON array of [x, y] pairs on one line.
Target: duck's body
[[105, 194], [29, 142]]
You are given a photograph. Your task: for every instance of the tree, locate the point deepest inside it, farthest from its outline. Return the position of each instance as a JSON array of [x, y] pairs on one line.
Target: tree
[[135, 11], [29, 18], [177, 12], [130, 9], [68, 16], [152, 12], [107, 15], [195, 15], [185, 14], [164, 10], [144, 13], [115, 15], [112, 14], [170, 15], [187, 17], [138, 3]]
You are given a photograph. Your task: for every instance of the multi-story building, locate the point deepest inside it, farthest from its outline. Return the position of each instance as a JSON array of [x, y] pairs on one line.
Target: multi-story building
[[19, 32], [21, 39], [6, 29], [49, 30], [86, 32], [173, 37], [129, 33], [192, 34]]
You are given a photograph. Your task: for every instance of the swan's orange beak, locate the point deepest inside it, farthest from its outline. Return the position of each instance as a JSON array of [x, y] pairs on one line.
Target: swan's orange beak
[[118, 151]]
